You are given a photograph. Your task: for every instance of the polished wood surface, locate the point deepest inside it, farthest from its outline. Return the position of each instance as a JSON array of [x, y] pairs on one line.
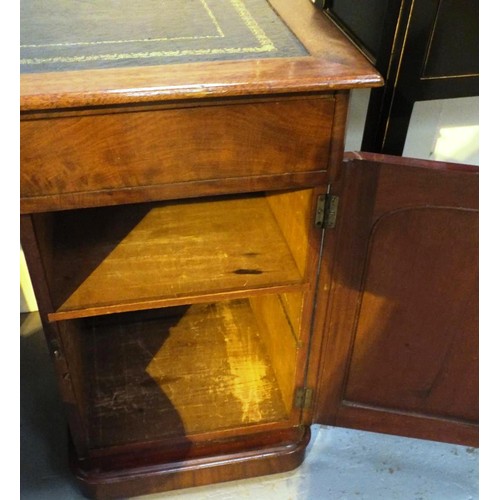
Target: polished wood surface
[[260, 304], [404, 301], [76, 159], [333, 64], [145, 473], [109, 161], [184, 329]]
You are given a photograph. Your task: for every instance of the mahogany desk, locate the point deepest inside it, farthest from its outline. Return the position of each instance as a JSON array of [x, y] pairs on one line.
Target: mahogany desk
[[211, 276]]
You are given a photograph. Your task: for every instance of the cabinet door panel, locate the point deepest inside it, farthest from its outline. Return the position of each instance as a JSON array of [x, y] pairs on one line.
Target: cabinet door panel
[[400, 351]]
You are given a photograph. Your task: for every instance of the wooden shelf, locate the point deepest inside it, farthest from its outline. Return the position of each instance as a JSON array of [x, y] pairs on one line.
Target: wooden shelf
[[127, 258], [204, 368]]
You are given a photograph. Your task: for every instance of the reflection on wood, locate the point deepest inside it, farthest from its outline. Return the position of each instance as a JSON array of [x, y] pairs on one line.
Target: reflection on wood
[[401, 355], [419, 315]]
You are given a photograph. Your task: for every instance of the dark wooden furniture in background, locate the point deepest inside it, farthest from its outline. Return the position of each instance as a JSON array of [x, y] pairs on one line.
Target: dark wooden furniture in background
[[213, 278], [424, 49]]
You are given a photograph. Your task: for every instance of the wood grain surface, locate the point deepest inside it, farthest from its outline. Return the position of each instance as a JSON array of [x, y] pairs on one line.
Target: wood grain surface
[[93, 156], [205, 393], [135, 257], [332, 64], [134, 475], [205, 369], [404, 301]]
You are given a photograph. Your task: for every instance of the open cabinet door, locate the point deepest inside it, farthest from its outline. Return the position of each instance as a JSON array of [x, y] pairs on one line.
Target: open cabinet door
[[400, 344]]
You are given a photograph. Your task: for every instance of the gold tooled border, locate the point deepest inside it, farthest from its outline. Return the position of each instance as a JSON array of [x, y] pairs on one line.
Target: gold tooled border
[[265, 44]]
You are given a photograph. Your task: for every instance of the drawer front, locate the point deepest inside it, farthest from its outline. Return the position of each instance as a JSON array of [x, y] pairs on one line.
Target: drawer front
[[134, 150]]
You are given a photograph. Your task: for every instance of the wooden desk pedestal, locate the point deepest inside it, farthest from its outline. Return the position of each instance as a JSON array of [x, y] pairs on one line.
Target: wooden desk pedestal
[[213, 277]]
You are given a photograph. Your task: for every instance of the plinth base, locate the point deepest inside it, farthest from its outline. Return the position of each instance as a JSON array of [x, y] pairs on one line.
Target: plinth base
[[126, 482]]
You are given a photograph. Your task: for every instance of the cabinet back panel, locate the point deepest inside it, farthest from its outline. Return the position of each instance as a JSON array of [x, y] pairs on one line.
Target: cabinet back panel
[[202, 370]]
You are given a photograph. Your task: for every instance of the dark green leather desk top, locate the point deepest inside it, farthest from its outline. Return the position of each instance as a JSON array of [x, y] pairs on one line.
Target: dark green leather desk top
[[64, 35]]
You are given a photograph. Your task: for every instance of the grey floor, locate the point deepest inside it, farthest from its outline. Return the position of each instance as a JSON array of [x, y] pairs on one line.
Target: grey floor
[[340, 463]]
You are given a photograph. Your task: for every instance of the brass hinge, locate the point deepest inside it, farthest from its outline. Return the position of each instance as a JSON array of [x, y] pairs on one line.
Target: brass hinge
[[303, 398], [326, 211]]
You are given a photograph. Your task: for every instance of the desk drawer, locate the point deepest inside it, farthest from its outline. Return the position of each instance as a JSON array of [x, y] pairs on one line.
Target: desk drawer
[[140, 151]]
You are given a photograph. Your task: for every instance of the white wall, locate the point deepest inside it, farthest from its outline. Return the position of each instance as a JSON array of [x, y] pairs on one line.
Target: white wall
[[28, 301], [443, 130]]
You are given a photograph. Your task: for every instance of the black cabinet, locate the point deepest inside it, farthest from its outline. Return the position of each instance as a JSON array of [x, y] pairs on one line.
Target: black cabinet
[[425, 49]]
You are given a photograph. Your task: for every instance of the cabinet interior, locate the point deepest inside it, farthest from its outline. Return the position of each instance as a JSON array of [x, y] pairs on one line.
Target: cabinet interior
[[115, 259], [183, 371], [181, 319]]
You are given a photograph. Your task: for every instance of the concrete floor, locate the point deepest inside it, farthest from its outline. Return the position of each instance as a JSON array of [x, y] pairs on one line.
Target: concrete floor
[[340, 463]]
